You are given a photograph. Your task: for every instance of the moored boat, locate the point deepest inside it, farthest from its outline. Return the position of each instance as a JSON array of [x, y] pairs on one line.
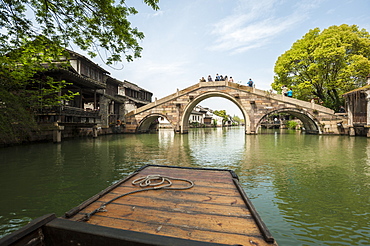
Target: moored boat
[[156, 205]]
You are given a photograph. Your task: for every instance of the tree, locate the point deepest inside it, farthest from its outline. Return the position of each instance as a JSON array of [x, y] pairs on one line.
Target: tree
[[238, 119], [326, 64], [222, 113], [29, 45], [28, 48], [90, 24], [24, 88]]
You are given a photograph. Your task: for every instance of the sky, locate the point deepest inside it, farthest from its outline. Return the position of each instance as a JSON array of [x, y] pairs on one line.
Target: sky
[[188, 39]]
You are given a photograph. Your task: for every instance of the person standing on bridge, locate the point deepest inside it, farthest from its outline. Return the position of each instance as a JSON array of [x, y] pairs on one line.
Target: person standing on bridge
[[290, 93], [284, 90], [209, 78], [342, 109], [250, 83], [217, 77]]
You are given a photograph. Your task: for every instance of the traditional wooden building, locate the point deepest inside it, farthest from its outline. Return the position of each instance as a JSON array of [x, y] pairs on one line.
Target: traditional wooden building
[[119, 98], [133, 95], [84, 77], [358, 109], [101, 103]]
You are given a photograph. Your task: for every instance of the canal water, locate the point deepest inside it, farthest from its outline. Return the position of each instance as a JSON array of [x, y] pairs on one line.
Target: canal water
[[308, 189]]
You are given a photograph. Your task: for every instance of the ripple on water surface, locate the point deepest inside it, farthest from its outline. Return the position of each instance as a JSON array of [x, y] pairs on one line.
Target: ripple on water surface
[[309, 190]]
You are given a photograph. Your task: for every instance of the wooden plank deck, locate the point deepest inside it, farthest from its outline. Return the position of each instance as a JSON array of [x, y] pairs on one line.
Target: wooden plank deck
[[214, 210]]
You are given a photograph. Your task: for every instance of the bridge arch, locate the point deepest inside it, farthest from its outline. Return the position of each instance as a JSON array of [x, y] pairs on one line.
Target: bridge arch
[[145, 124], [310, 123], [253, 103], [189, 107]]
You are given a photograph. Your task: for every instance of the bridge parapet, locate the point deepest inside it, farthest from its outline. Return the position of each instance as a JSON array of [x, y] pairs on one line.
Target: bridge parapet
[[254, 104], [163, 100], [237, 86], [282, 98]]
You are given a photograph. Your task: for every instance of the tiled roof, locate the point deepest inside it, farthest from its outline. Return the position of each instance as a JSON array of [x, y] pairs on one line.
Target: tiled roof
[[364, 88], [77, 78], [88, 60]]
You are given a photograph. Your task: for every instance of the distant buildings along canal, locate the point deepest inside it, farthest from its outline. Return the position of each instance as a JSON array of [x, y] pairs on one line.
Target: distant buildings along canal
[[201, 117], [358, 109]]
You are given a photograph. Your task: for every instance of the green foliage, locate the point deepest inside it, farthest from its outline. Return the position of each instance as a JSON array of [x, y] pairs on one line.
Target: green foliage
[[222, 113], [30, 45], [214, 122], [238, 119], [46, 93], [91, 25], [325, 64], [19, 66], [16, 123], [291, 124], [22, 72], [196, 124]]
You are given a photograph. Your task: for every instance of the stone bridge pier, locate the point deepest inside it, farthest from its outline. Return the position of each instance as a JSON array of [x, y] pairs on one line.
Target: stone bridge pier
[[254, 104]]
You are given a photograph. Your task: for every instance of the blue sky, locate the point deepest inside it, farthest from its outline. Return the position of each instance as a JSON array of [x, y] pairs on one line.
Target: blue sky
[[188, 39]]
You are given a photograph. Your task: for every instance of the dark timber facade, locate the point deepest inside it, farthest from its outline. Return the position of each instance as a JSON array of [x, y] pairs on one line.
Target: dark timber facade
[[100, 105]]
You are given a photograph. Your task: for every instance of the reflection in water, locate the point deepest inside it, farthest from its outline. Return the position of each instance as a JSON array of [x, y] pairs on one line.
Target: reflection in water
[[206, 146], [312, 187], [309, 190], [367, 166]]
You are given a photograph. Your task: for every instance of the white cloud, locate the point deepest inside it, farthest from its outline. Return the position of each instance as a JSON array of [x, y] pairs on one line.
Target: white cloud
[[254, 25], [157, 13]]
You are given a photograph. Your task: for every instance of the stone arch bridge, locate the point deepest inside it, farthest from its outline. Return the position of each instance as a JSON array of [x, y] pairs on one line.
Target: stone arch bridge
[[254, 104]]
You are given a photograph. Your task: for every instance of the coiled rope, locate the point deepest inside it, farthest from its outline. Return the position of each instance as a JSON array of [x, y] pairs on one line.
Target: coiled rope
[[153, 182]]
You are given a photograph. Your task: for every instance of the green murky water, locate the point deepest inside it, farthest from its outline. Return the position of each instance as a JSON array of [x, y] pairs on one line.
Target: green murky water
[[309, 190]]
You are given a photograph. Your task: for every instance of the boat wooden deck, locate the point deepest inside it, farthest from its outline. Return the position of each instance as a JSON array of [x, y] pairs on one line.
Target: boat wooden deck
[[214, 211]]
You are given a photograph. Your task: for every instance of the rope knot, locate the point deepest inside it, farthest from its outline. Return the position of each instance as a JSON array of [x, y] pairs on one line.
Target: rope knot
[[102, 209], [153, 182], [157, 181]]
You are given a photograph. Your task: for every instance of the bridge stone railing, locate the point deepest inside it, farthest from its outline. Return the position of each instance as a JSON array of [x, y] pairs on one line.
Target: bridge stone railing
[[283, 98], [164, 99], [236, 86]]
